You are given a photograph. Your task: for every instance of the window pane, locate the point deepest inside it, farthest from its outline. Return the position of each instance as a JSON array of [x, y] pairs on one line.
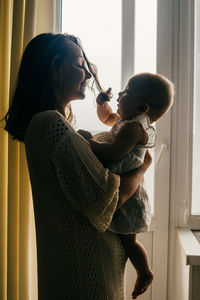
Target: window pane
[[196, 114], [100, 32], [145, 60], [145, 36]]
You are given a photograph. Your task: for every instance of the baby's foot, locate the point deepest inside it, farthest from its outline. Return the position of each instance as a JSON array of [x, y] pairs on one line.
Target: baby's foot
[[142, 283]]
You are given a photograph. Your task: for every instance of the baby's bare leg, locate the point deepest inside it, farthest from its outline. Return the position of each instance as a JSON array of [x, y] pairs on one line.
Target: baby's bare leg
[[138, 256]]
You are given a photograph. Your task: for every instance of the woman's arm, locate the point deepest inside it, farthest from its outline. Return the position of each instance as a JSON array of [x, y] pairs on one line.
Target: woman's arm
[[130, 181], [128, 137], [85, 183]]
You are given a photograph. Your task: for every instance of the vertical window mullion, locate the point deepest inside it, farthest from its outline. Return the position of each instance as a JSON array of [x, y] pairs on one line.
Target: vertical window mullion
[[185, 112], [128, 29], [195, 208]]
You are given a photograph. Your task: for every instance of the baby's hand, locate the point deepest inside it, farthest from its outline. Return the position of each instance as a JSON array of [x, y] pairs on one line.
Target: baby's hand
[[84, 133], [104, 96]]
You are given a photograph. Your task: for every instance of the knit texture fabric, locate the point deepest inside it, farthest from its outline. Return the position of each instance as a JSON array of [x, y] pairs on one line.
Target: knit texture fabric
[[74, 201]]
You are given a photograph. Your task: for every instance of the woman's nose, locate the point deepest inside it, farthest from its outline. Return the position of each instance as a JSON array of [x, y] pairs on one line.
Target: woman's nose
[[87, 74]]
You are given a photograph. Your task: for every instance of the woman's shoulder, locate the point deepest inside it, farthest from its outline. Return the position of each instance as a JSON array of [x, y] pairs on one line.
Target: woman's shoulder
[[48, 116], [48, 126], [47, 120]]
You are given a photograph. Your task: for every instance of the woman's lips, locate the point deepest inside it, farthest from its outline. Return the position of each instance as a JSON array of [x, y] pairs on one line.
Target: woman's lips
[[84, 84]]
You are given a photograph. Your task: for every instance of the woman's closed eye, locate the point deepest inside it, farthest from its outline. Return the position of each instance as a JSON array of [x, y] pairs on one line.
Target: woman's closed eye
[[80, 66]]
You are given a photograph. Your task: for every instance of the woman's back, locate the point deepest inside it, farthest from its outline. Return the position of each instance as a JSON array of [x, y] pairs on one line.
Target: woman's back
[[75, 260]]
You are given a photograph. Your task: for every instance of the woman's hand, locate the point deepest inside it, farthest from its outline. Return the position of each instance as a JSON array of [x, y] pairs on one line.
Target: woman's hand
[[130, 181], [84, 133], [104, 96]]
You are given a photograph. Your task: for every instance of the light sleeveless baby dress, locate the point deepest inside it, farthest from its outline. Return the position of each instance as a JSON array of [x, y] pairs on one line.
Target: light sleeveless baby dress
[[135, 214]]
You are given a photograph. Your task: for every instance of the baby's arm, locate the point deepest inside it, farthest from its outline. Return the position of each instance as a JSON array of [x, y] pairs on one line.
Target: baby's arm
[[104, 111], [129, 136], [131, 180]]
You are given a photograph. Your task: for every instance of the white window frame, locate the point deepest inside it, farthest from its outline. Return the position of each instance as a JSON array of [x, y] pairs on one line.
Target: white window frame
[[182, 121], [176, 58], [182, 66]]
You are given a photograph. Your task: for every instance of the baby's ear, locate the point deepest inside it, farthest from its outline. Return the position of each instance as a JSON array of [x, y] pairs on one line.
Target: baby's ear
[[144, 108]]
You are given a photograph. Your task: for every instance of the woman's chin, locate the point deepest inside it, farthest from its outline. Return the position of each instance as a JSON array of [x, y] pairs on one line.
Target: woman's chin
[[81, 96]]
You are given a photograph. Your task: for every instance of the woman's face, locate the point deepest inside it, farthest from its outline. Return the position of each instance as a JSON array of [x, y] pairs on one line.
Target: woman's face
[[73, 76]]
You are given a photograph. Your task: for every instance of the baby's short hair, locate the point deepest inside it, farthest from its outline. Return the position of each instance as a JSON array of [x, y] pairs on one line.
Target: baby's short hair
[[154, 89]]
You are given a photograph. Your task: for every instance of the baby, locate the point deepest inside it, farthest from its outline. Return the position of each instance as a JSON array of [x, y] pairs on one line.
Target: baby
[[146, 98]]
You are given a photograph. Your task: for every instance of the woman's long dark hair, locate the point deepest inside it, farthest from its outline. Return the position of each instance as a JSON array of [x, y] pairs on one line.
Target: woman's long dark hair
[[34, 90]]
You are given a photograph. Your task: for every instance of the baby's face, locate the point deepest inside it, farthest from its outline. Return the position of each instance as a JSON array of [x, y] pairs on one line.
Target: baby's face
[[128, 105]]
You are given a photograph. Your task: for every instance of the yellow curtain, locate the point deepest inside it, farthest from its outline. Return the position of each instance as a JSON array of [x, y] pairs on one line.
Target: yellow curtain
[[20, 21]]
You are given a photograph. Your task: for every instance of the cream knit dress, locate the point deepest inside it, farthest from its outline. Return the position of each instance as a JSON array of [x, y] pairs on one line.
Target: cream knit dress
[[74, 201]]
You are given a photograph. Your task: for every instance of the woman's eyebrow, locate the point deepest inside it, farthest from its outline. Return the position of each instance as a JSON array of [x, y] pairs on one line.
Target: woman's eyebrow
[[78, 57], [81, 57]]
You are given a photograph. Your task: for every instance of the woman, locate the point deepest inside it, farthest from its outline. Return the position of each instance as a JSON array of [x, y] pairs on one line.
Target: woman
[[74, 196]]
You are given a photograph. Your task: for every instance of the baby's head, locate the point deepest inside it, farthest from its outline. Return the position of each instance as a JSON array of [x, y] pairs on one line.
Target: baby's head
[[147, 93]]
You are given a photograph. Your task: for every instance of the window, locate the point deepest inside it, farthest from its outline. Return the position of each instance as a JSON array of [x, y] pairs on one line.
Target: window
[[123, 37], [186, 121], [145, 36], [145, 60], [101, 33]]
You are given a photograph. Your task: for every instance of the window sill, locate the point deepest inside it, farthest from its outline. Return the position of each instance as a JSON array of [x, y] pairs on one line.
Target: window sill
[[190, 243]]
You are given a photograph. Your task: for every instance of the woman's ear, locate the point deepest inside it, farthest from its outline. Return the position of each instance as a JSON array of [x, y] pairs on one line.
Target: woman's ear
[[143, 108], [55, 69]]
